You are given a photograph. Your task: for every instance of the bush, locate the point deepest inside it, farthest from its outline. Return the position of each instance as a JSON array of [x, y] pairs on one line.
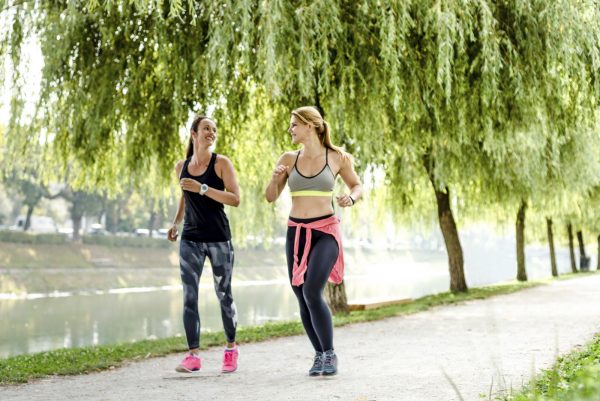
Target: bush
[[22, 237], [131, 242]]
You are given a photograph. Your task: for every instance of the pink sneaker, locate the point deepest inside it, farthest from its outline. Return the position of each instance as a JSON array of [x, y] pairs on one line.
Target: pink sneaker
[[191, 363], [230, 357]]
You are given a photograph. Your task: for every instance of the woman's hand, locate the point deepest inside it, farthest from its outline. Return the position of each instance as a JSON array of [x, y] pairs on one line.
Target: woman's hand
[[172, 233], [344, 200], [190, 185], [279, 171]]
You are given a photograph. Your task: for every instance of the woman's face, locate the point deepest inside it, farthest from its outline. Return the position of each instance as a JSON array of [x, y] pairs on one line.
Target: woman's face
[[206, 133], [298, 130]]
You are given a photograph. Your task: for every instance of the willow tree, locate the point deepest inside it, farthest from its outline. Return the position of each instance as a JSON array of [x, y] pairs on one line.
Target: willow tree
[[469, 80], [430, 91]]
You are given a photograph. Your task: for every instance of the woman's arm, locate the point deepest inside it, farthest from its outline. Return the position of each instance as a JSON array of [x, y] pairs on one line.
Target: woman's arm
[[225, 171], [172, 233], [278, 179], [352, 181]]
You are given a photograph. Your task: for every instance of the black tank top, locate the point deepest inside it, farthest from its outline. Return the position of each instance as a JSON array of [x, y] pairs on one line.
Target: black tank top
[[205, 219]]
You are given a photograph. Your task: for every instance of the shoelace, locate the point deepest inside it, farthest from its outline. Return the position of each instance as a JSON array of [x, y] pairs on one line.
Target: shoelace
[[328, 358], [318, 361], [228, 356]]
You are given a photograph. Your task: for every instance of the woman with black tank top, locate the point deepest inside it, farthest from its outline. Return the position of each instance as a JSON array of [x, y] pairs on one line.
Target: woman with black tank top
[[208, 181], [313, 243]]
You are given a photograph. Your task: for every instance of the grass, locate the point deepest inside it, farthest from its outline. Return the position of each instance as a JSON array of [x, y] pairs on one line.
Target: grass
[[23, 368], [574, 377]]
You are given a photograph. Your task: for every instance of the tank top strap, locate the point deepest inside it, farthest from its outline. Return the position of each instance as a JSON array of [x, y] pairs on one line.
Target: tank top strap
[[213, 160], [296, 161], [183, 171]]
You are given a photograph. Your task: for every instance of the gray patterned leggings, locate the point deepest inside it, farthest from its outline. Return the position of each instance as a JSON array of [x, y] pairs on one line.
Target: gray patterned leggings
[[191, 261]]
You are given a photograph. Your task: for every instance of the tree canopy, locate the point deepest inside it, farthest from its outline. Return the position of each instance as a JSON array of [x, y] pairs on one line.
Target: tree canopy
[[476, 97]]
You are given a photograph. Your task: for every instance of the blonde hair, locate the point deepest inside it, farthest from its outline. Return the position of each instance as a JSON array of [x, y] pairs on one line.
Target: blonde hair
[[310, 115]]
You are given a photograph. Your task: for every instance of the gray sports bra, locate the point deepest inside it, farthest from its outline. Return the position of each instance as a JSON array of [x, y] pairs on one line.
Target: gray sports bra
[[320, 184]]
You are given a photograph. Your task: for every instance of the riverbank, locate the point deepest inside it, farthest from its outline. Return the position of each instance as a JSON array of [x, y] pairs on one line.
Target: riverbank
[[478, 349], [80, 267], [89, 359], [51, 268]]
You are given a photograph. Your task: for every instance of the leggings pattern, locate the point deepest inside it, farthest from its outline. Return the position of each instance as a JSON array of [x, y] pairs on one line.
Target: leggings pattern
[[314, 312], [191, 262]]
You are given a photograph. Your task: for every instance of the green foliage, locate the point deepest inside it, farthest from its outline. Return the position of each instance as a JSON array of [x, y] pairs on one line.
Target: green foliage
[[499, 96], [131, 242], [34, 239], [574, 377]]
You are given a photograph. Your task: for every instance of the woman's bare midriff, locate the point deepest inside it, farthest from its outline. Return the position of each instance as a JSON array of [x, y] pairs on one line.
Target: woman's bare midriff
[[306, 207]]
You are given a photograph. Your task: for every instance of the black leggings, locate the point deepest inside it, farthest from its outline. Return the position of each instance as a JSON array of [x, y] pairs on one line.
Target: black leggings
[[314, 312], [191, 263]]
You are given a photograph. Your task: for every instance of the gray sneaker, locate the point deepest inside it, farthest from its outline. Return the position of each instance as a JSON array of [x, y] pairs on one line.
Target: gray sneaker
[[329, 363], [317, 367]]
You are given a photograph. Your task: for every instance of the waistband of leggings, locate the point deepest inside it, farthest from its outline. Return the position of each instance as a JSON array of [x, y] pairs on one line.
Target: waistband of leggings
[[310, 220]]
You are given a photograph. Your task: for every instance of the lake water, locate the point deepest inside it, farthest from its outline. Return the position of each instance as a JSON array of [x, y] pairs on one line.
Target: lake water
[[48, 321]]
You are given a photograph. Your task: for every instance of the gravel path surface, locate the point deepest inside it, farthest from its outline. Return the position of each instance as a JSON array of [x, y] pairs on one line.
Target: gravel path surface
[[475, 348]]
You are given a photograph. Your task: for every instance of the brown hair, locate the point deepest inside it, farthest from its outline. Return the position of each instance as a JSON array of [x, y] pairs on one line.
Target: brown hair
[[310, 115], [194, 128]]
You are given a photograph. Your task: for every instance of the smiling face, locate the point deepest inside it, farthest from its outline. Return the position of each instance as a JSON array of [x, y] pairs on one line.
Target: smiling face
[[206, 133], [298, 130]]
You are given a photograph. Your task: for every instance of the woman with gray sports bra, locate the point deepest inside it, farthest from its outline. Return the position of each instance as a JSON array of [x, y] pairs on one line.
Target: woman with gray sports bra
[[313, 244]]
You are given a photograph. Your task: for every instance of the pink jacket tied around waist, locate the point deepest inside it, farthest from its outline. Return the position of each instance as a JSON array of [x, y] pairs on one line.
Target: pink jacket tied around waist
[[330, 225]]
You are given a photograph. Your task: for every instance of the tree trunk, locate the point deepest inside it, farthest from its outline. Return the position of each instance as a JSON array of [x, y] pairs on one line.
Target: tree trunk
[[151, 222], [571, 248], [584, 263], [111, 217], [449, 231], [598, 261], [27, 223], [336, 298], [520, 228], [76, 219], [551, 244]]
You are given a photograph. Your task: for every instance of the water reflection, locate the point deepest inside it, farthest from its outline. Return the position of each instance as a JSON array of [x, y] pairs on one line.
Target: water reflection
[[262, 294]]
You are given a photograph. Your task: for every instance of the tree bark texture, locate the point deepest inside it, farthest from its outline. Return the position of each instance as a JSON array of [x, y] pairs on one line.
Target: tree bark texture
[[584, 263], [27, 223], [520, 231], [571, 248], [449, 231], [551, 245], [598, 260], [336, 298]]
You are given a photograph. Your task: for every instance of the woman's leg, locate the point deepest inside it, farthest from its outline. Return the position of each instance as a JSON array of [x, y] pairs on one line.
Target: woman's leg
[[221, 257], [191, 262], [304, 310], [323, 255]]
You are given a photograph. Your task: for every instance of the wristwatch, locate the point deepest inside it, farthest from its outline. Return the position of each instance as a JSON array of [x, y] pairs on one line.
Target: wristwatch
[[203, 189]]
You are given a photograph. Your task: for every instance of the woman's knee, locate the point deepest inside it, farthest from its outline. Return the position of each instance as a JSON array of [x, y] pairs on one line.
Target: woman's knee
[[312, 297]]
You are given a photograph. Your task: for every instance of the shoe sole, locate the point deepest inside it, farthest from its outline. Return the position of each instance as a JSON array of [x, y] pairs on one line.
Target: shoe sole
[[181, 369], [330, 373], [313, 374]]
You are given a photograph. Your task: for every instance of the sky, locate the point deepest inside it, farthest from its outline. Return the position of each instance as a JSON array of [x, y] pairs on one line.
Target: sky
[[31, 74]]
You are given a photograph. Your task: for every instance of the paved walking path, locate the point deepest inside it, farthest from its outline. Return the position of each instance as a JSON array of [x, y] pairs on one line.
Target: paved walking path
[[476, 346]]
